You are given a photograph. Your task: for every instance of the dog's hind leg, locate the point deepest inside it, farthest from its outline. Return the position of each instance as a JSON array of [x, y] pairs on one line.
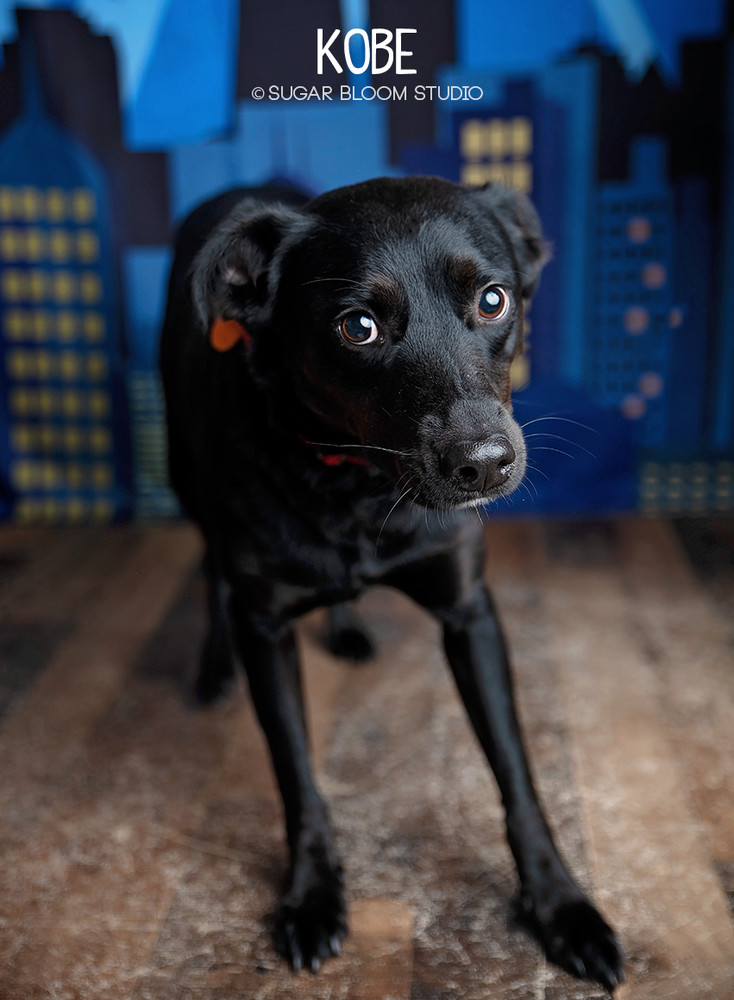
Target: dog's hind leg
[[216, 675], [310, 922], [347, 636]]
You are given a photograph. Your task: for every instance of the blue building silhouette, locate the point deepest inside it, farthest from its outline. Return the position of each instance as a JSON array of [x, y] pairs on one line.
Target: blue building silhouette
[[63, 432], [629, 349]]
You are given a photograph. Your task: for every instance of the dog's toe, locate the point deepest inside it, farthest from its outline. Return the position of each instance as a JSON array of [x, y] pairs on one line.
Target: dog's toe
[[579, 940], [310, 930]]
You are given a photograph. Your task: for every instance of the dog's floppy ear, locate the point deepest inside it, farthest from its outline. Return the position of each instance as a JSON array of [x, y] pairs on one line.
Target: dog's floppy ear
[[232, 273], [520, 220]]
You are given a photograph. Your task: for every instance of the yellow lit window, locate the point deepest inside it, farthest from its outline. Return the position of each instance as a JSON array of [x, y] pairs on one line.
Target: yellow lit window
[[100, 440], [67, 324], [102, 511], [75, 475], [51, 510], [93, 326], [7, 203], [73, 440], [21, 402], [10, 243], [49, 402], [14, 324], [55, 205], [101, 476], [83, 208], [47, 438], [99, 404], [51, 477], [19, 364], [520, 176], [71, 403], [69, 366], [35, 244], [23, 437], [41, 324], [45, 365], [90, 287], [96, 367], [76, 511], [87, 246], [24, 475], [64, 287], [13, 285], [521, 131], [60, 246], [36, 285], [471, 140], [32, 203], [27, 511]]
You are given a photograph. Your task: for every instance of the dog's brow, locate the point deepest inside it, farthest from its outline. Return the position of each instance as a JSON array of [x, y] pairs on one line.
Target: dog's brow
[[386, 289], [464, 273]]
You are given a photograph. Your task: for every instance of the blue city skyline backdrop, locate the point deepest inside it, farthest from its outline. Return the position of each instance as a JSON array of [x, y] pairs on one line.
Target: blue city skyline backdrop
[[616, 118]]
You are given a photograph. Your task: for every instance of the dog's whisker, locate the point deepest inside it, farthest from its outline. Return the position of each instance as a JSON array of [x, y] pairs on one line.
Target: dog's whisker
[[318, 281], [540, 472], [560, 437], [559, 451], [565, 420], [405, 492], [372, 447]]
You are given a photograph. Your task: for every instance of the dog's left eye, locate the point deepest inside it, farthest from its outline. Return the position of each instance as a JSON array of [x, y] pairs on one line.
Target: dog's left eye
[[359, 328], [493, 303]]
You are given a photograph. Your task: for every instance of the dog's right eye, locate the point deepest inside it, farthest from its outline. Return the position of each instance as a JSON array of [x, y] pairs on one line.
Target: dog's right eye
[[359, 328]]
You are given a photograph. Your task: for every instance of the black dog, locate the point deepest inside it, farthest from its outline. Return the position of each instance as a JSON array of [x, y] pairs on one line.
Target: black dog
[[328, 366]]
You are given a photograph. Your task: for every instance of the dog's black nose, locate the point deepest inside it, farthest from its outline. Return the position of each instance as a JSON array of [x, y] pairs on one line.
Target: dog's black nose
[[479, 466]]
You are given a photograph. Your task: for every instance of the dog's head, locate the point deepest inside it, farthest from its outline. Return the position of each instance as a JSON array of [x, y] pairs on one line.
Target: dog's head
[[391, 311]]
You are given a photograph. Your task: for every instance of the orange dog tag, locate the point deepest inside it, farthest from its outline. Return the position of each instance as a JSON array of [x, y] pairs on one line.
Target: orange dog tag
[[225, 333]]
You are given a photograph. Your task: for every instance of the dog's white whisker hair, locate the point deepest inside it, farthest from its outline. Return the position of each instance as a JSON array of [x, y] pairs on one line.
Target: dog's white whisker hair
[[402, 496], [373, 447], [565, 420], [558, 437]]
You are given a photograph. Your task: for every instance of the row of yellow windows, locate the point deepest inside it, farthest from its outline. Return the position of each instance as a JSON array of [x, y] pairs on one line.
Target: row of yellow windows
[[69, 366], [32, 204], [57, 245], [518, 174], [679, 473], [63, 287], [27, 475], [69, 403], [30, 510], [496, 139], [58, 324], [50, 438]]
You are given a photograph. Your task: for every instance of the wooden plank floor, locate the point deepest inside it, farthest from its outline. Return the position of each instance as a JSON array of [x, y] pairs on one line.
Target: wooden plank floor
[[140, 837]]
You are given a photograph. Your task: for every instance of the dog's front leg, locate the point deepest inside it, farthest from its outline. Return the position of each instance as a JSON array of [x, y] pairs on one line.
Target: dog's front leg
[[572, 931], [310, 921]]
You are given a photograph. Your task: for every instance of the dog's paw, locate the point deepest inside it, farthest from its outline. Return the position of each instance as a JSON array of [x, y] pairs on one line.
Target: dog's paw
[[311, 928], [352, 644], [347, 637], [579, 940]]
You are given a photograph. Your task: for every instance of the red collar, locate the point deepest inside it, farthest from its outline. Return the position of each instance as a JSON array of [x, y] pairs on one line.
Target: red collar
[[337, 459]]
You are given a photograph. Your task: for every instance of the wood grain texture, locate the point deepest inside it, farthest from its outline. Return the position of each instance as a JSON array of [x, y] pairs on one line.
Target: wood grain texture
[[141, 844]]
